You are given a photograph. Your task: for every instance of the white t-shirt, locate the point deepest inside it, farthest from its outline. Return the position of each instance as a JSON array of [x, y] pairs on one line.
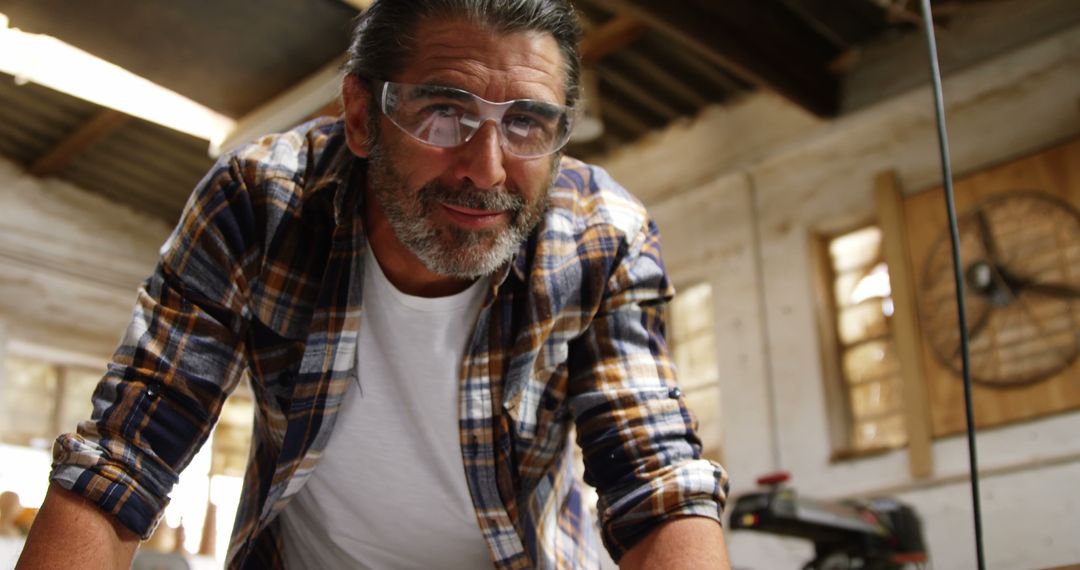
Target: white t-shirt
[[390, 489]]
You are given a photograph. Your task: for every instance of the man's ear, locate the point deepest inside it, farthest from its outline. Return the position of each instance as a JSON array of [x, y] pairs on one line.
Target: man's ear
[[356, 99]]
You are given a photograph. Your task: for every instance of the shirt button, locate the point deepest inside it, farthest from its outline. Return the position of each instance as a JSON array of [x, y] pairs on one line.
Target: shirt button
[[674, 392], [152, 389]]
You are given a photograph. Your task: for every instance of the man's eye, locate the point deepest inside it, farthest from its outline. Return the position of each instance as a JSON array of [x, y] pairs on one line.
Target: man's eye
[[442, 110], [522, 125]]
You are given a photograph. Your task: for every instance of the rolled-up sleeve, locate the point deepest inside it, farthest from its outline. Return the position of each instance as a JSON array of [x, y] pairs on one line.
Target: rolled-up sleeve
[[638, 438], [180, 357]]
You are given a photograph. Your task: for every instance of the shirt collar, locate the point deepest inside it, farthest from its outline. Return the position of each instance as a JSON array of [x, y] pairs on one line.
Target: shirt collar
[[336, 170]]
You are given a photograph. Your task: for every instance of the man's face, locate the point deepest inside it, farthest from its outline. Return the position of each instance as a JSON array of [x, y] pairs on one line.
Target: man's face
[[464, 211]]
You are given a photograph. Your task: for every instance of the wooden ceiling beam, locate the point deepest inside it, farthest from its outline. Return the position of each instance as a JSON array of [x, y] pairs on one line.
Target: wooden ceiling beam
[[60, 156], [751, 39], [843, 22], [700, 68], [609, 37], [897, 64], [637, 92], [619, 133], [662, 78], [613, 113]]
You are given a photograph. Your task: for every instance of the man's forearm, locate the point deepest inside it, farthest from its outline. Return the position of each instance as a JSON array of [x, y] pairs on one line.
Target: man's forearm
[[680, 544], [71, 532]]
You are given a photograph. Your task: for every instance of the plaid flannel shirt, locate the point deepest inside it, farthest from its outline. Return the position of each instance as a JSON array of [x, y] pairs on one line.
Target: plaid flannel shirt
[[260, 281]]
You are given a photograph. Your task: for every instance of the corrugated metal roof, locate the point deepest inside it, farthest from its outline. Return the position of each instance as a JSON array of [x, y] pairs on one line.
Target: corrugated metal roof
[[148, 167], [34, 118], [229, 56]]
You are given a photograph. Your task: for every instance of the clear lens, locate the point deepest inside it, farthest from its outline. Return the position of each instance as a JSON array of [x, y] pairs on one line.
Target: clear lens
[[448, 117]]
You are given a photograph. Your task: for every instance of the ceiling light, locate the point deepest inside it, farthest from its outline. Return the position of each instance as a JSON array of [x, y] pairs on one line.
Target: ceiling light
[[59, 66]]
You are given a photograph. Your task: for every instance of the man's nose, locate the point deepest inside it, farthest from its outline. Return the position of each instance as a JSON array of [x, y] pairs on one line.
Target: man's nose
[[480, 161]]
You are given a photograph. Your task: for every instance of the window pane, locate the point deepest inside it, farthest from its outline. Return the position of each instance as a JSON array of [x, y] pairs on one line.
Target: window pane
[[232, 437], [861, 294], [862, 321], [870, 361], [882, 432], [693, 336], [693, 346], [875, 398], [28, 402], [705, 404], [692, 312], [856, 249], [843, 285], [696, 362], [75, 406]]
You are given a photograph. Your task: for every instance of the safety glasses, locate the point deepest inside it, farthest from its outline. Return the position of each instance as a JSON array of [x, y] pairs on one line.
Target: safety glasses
[[447, 117]]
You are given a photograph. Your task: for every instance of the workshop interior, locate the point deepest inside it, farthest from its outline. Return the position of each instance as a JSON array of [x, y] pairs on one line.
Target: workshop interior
[[789, 153]]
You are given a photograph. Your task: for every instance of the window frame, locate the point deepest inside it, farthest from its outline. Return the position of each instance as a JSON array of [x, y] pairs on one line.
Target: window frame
[[838, 391], [712, 443]]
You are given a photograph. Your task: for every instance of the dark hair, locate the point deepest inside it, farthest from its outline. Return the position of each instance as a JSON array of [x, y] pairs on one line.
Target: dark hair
[[383, 36]]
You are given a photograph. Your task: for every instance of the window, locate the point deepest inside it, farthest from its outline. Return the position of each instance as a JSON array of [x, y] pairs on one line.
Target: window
[[232, 435], [692, 335], [40, 399], [860, 356], [692, 338]]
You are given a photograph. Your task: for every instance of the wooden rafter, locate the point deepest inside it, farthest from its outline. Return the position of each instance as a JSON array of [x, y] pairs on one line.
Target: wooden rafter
[[843, 22], [610, 37], [661, 77], [96, 128], [897, 63], [638, 93], [700, 68], [753, 40], [614, 114]]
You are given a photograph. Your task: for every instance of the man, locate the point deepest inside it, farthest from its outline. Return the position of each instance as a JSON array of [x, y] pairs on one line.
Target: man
[[425, 298]]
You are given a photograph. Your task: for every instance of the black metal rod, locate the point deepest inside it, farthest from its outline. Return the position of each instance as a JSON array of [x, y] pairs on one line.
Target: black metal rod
[[954, 233]]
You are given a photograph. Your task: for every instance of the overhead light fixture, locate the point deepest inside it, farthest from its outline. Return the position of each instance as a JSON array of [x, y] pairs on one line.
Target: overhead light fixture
[[47, 61], [360, 5]]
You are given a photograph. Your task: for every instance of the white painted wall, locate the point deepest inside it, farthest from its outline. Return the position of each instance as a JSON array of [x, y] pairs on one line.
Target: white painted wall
[[738, 193]]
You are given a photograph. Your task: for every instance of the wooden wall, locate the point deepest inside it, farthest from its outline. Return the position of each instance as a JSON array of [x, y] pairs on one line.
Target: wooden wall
[[1054, 172]]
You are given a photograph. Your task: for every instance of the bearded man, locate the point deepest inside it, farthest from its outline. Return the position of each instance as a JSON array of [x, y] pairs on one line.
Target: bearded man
[[427, 299]]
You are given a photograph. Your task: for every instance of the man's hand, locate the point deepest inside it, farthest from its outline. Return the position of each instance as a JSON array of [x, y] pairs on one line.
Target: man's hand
[[678, 544], [71, 532]]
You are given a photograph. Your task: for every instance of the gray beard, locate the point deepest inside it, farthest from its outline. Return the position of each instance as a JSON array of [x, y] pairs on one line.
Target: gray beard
[[446, 249]]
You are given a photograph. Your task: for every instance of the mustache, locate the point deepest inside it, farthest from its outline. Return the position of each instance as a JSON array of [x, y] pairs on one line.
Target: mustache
[[469, 196]]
